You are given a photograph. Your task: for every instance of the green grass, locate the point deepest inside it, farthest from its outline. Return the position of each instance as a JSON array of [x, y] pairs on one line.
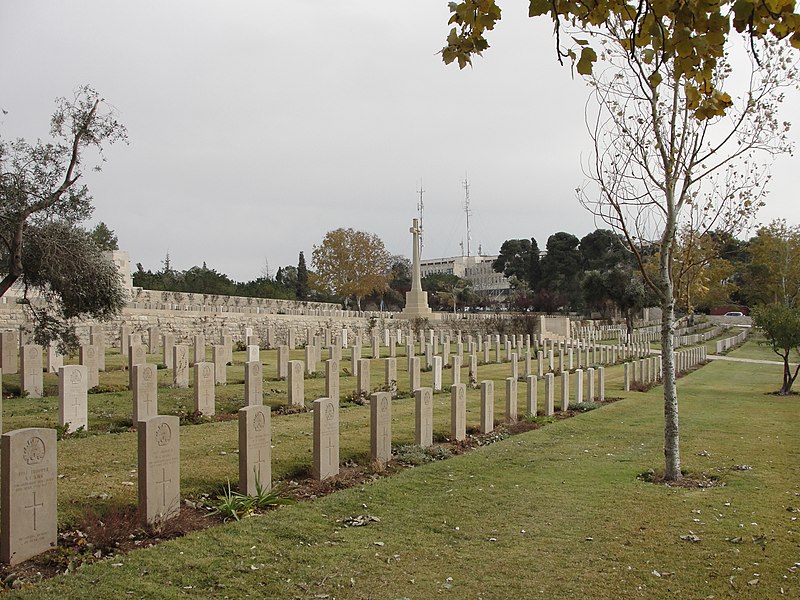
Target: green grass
[[553, 513]]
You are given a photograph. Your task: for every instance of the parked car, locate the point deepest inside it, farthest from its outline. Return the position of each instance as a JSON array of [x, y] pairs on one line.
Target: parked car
[[734, 313]]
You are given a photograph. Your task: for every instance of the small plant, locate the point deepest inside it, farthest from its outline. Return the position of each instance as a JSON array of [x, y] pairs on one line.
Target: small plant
[[161, 366], [410, 454], [193, 418], [108, 389], [63, 433], [230, 505], [239, 346], [540, 419], [584, 406], [235, 505]]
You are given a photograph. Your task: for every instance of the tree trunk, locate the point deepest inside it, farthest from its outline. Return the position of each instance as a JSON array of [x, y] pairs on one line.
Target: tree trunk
[[788, 378], [672, 454]]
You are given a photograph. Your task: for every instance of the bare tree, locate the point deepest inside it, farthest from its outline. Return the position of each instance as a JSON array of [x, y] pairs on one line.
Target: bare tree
[[672, 148], [659, 171]]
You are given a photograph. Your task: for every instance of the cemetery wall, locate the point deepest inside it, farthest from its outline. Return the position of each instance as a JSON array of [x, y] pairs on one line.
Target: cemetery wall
[[215, 315]]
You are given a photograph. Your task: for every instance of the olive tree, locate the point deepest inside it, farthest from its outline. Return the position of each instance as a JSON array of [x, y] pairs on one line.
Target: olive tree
[[61, 270]]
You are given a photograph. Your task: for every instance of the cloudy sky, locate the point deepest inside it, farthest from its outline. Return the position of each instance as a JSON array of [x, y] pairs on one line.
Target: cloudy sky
[[256, 127]]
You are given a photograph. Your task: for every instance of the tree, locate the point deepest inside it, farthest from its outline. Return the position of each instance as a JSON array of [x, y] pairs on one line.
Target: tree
[[773, 275], [561, 268], [671, 146], [602, 250], [302, 278], [781, 326], [519, 261], [42, 203], [351, 264], [104, 238]]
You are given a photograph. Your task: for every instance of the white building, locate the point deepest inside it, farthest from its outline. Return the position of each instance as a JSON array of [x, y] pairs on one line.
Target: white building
[[477, 269]]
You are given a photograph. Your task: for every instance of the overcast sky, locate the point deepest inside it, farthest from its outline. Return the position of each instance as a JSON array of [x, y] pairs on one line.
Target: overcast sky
[[256, 127]]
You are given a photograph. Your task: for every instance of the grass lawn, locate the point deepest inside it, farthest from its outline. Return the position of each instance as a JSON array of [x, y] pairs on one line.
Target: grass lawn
[[553, 513]]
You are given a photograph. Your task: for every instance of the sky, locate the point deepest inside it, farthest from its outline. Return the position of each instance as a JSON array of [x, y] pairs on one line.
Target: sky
[[255, 127]]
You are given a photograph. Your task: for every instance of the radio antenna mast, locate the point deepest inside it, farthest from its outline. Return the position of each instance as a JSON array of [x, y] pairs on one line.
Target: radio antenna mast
[[467, 212], [420, 209]]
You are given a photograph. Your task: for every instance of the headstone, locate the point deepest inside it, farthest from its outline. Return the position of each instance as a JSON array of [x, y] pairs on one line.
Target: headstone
[[473, 369], [437, 373], [97, 338], [511, 399], [28, 502], [159, 468], [252, 353], [487, 406], [413, 373], [291, 339], [564, 391], [283, 362], [531, 400], [390, 375], [204, 394], [601, 383], [549, 394], [255, 449], [199, 348], [31, 380], [332, 379], [456, 369], [380, 427], [168, 343], [363, 379], [326, 439], [87, 356], [145, 392], [137, 355], [311, 359], [627, 376], [253, 383], [180, 366], [296, 383], [458, 412], [423, 417], [124, 340], [55, 360], [153, 335], [72, 398], [578, 386], [226, 341], [219, 358], [590, 381]]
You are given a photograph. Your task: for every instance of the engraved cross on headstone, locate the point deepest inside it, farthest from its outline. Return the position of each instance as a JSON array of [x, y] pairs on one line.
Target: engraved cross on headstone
[[163, 483], [34, 506]]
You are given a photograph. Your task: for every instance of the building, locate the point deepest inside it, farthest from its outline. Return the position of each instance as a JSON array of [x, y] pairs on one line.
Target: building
[[477, 269]]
